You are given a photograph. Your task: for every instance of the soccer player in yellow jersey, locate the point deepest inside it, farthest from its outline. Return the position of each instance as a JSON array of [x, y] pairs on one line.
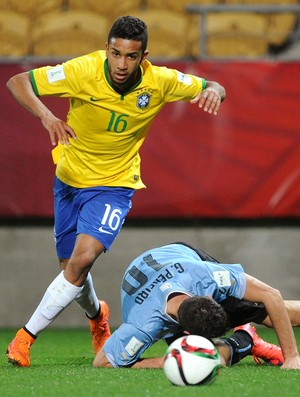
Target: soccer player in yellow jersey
[[114, 96]]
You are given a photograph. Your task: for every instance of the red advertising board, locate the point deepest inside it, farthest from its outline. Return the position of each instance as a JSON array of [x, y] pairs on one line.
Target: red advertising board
[[243, 163]]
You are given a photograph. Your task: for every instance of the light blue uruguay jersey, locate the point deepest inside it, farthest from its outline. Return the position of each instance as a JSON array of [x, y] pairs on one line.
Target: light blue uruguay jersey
[[146, 286]]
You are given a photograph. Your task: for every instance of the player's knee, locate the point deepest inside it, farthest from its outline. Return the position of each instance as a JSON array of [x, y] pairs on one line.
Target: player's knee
[[82, 261], [78, 269]]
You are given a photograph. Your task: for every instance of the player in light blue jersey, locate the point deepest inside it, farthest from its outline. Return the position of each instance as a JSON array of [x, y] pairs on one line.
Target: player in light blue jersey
[[173, 289]]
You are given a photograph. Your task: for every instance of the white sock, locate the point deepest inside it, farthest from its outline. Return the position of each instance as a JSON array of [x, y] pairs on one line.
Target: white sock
[[58, 296], [87, 298]]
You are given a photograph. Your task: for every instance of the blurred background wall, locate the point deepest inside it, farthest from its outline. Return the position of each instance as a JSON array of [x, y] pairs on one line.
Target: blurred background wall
[[28, 263]]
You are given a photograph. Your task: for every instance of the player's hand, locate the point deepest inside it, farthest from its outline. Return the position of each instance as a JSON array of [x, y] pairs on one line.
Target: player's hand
[[291, 363], [58, 130], [209, 100]]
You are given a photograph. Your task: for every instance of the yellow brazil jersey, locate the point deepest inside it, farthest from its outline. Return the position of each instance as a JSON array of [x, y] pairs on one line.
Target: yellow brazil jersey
[[110, 127]]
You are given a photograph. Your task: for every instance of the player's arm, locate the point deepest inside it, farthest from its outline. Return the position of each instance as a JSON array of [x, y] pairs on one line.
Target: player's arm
[[211, 97], [21, 88], [102, 361], [257, 291], [155, 362]]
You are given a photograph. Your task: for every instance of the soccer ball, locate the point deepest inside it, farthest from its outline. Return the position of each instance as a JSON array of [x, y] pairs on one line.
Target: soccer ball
[[191, 360]]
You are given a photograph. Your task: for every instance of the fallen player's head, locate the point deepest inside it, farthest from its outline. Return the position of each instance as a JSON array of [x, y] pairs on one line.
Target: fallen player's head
[[203, 316]]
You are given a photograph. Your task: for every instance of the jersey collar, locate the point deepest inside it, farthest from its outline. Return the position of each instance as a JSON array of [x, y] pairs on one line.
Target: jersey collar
[[108, 81]]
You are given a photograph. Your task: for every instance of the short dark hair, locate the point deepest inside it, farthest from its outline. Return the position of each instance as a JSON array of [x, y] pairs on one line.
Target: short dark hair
[[129, 28], [203, 316]]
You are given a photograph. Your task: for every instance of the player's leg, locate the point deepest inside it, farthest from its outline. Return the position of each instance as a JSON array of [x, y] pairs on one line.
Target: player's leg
[[76, 252], [98, 213], [101, 217], [293, 309], [241, 312], [60, 293], [262, 351], [67, 204], [96, 311], [245, 341]]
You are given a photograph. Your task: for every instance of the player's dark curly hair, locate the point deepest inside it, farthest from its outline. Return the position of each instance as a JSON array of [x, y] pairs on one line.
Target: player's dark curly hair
[[130, 28], [203, 316]]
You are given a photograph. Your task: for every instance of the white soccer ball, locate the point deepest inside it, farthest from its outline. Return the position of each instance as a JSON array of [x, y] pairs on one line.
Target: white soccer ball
[[192, 360]]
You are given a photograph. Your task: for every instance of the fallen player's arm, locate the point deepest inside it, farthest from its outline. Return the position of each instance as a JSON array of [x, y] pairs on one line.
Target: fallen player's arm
[[257, 291], [102, 361]]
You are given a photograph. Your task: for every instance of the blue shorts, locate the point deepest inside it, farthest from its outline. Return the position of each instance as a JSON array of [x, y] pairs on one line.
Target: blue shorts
[[98, 212]]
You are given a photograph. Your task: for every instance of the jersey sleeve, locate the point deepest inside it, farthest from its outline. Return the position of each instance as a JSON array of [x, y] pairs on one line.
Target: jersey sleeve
[[226, 280], [126, 345], [180, 86], [238, 287], [63, 80]]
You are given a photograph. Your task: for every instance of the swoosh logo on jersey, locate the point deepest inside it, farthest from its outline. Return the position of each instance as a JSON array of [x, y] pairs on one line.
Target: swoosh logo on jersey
[[93, 99], [104, 231]]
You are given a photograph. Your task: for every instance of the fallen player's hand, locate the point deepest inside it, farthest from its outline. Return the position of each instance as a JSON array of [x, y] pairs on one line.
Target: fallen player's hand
[[291, 363]]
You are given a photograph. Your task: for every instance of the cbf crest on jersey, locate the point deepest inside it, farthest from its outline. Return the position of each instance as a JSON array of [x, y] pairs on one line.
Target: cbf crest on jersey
[[143, 101]]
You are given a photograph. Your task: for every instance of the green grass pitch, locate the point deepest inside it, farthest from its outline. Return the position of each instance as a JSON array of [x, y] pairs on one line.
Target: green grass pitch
[[61, 367]]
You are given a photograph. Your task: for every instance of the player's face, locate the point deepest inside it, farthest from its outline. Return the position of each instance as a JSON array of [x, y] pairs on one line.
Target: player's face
[[124, 58]]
